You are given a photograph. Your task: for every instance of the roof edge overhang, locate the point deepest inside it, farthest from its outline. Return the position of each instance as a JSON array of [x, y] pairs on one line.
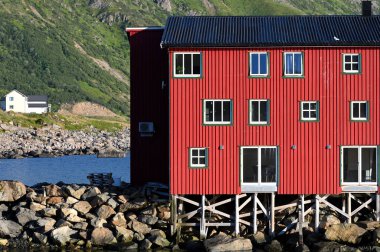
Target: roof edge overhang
[[163, 45], [128, 29]]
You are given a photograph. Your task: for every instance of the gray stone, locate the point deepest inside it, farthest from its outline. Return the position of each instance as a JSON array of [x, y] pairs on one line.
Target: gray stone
[[11, 191], [82, 207], [328, 220], [98, 222], [348, 233], [223, 242], [273, 246], [104, 212], [147, 219], [53, 190], [160, 241], [49, 212], [134, 205], [138, 237], [76, 193], [376, 236], [102, 236], [124, 235], [145, 244], [26, 215], [326, 246], [71, 200], [81, 226], [63, 223], [100, 199], [40, 238], [62, 235], [157, 233], [36, 206], [119, 220], [112, 203], [65, 212], [9, 229], [131, 216], [90, 193], [260, 238], [46, 224], [140, 227]]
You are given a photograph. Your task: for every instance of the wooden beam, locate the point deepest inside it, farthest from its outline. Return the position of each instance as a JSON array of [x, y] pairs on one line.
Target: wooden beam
[[316, 226], [254, 213], [301, 219], [188, 201], [262, 207], [333, 207], [272, 224], [189, 215], [362, 206], [237, 229], [203, 218], [349, 215], [359, 201], [213, 210], [245, 203], [173, 209]]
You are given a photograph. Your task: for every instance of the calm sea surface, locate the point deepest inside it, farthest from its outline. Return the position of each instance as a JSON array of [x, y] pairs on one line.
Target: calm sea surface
[[69, 169]]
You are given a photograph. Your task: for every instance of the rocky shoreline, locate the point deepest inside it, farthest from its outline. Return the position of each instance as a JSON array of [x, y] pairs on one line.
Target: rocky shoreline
[[82, 217], [52, 141]]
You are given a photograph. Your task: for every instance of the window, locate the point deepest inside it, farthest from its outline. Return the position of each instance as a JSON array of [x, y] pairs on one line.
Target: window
[[11, 107], [351, 63], [259, 64], [11, 98], [359, 165], [259, 112], [359, 111], [293, 64], [187, 64], [258, 165], [217, 112], [198, 157], [309, 111]]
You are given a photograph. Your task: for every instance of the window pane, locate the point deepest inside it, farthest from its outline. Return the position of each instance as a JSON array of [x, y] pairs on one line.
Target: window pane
[[202, 152], [202, 161], [187, 63], [298, 63], [268, 165], [347, 67], [226, 111], [355, 108], [194, 153], [254, 63], [194, 161], [178, 64], [355, 66], [347, 58], [313, 105], [196, 64], [355, 58], [250, 165], [305, 105], [263, 63], [350, 165], [209, 112], [289, 64], [363, 110], [218, 111], [313, 114], [263, 111], [368, 164], [255, 111], [306, 114]]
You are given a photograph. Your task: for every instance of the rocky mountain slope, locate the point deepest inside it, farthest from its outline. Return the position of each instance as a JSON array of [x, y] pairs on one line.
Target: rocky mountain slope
[[78, 51]]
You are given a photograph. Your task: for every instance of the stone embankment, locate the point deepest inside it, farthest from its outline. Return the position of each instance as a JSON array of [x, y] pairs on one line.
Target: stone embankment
[[17, 142], [120, 218]]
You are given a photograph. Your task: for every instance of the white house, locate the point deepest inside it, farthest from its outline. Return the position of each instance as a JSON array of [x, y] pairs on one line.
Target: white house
[[18, 102]]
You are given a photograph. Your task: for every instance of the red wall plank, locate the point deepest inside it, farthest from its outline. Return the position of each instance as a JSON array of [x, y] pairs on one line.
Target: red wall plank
[[311, 168]]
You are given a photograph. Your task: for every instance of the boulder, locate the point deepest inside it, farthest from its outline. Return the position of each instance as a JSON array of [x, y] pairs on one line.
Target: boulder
[[100, 199], [328, 220], [157, 233], [26, 215], [160, 241], [49, 212], [53, 191], [54, 200], [347, 233], [102, 236], [98, 222], [65, 212], [82, 207], [223, 242], [145, 244], [71, 200], [138, 237], [376, 236], [11, 191], [140, 227], [104, 212], [36, 206], [327, 246], [124, 235], [134, 205], [119, 220], [273, 246], [4, 243], [63, 223], [369, 225], [73, 218], [91, 193], [131, 216], [46, 224], [39, 238], [9, 229], [76, 193], [147, 219], [260, 238], [81, 226], [61, 236]]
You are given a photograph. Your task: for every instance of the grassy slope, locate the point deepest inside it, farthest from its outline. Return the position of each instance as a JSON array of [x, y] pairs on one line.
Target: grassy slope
[[38, 56]]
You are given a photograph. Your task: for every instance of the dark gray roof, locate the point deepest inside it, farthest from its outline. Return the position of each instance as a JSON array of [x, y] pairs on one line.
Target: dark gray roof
[[37, 105], [204, 31], [37, 98]]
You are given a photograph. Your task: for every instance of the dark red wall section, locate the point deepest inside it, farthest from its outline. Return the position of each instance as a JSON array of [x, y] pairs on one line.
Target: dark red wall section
[[149, 103]]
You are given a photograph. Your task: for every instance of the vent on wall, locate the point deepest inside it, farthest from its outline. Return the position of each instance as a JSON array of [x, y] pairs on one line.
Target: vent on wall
[[146, 128]]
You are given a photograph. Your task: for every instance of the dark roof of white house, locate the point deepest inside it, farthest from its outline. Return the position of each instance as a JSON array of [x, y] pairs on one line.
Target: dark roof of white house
[[37, 98], [256, 31]]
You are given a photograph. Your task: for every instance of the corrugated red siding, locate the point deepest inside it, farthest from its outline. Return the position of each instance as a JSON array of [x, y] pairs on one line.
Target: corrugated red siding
[[311, 168], [149, 103]]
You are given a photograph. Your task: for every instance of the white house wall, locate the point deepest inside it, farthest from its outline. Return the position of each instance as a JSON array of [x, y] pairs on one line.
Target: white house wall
[[19, 102]]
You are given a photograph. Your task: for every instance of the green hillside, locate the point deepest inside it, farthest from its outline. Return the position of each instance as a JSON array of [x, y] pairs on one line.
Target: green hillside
[[78, 51]]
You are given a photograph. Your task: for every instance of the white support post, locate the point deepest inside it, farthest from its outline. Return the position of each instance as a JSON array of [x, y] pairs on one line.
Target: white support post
[[237, 229], [173, 214], [349, 207], [316, 213], [300, 219], [254, 213], [344, 202], [272, 207], [203, 218], [303, 207], [377, 207]]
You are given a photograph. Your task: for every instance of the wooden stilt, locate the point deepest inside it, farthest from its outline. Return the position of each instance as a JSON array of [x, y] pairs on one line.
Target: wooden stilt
[[237, 229], [173, 209], [300, 219], [179, 221], [272, 207], [377, 207], [349, 207], [344, 202], [316, 213], [303, 207], [203, 218], [254, 213]]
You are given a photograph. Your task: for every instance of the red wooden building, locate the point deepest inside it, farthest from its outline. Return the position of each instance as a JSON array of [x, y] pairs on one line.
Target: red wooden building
[[253, 105]]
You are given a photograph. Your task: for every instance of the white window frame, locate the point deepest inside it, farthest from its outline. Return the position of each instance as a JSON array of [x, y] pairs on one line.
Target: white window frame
[[285, 64], [258, 63], [259, 183], [183, 63], [363, 119], [351, 63], [199, 156], [310, 110], [359, 183], [250, 112], [213, 107], [11, 98]]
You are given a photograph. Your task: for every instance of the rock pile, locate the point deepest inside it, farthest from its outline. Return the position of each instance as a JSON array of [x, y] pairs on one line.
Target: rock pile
[[49, 141], [82, 216]]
